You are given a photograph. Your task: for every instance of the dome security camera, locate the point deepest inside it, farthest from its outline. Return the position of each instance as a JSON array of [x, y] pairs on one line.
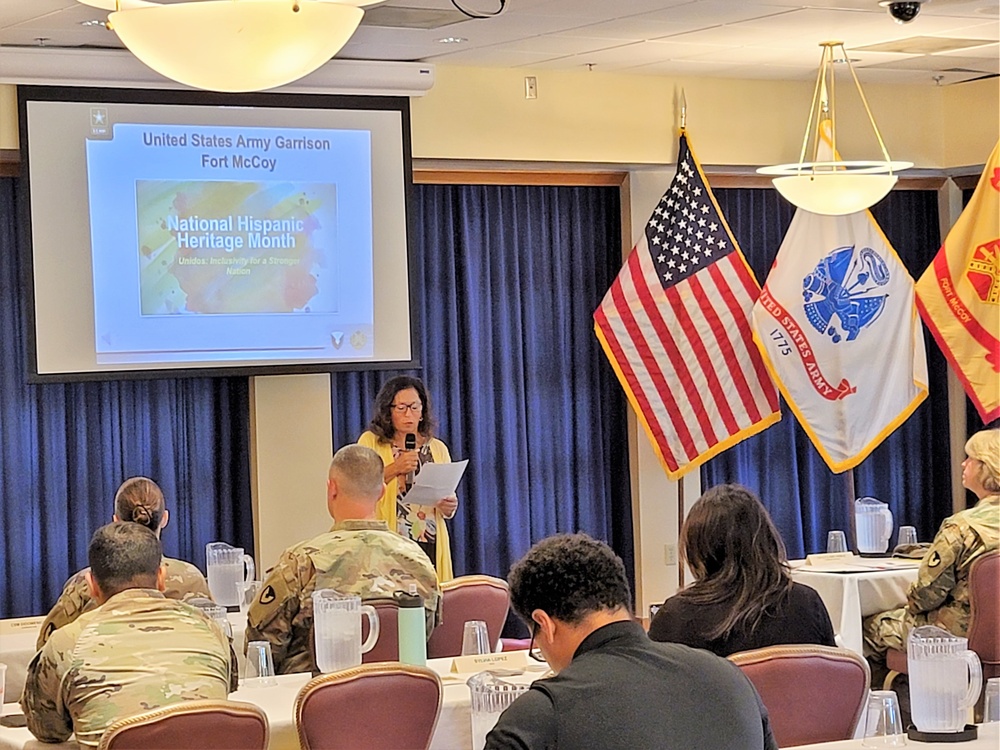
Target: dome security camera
[[903, 12]]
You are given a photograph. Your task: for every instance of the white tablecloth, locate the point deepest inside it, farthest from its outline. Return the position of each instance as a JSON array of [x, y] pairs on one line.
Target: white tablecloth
[[453, 731], [850, 593], [989, 739]]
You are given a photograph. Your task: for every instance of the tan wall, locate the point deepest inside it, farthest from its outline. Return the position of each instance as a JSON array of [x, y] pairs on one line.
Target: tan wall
[[970, 117], [481, 114]]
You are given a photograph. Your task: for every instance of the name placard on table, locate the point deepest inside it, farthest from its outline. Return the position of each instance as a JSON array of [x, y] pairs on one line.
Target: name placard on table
[[19, 625], [482, 662]]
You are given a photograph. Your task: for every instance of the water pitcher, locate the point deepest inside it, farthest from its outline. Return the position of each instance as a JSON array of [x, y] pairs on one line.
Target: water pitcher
[[491, 695], [226, 577], [337, 629], [945, 679], [873, 521]]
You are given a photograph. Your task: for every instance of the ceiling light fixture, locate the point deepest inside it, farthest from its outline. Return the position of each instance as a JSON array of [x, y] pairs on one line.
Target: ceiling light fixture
[[834, 187], [234, 45], [452, 40]]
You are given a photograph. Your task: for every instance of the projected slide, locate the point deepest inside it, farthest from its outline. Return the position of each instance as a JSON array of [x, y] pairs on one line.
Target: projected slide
[[235, 247], [221, 243]]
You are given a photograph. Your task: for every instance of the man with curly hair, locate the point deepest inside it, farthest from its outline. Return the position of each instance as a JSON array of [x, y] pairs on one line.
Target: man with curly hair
[[615, 688]]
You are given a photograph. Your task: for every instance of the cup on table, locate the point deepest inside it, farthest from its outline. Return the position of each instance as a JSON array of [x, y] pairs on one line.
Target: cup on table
[[260, 665], [475, 638], [836, 541], [991, 707], [883, 723], [251, 590], [907, 535], [3, 679]]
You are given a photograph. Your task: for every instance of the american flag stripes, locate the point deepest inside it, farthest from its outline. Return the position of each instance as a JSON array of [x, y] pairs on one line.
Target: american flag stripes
[[675, 325]]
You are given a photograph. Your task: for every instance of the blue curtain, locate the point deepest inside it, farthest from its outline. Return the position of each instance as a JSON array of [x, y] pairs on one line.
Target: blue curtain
[[64, 449], [507, 279], [911, 469]]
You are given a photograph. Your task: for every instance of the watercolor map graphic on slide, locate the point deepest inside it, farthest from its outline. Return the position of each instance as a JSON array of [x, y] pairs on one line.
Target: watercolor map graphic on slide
[[236, 247]]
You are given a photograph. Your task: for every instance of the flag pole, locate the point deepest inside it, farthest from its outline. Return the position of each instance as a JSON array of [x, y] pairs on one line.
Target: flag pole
[[680, 521], [684, 110]]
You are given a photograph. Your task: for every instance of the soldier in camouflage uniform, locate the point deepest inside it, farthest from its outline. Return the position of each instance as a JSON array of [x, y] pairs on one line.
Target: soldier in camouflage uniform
[[359, 555], [940, 595], [137, 651], [141, 501]]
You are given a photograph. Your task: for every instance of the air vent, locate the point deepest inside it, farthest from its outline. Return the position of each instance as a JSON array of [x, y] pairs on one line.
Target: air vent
[[394, 17]]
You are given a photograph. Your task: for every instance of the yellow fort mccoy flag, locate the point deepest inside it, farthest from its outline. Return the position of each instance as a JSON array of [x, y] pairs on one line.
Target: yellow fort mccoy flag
[[959, 294], [838, 329]]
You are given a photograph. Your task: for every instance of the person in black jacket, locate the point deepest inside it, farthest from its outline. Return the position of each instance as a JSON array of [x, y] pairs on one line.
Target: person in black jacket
[[743, 596], [614, 688]]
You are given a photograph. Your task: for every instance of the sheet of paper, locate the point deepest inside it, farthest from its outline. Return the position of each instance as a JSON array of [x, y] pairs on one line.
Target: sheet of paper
[[435, 482]]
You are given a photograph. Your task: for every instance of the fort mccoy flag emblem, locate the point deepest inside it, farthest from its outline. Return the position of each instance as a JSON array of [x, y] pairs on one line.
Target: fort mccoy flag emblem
[[959, 294]]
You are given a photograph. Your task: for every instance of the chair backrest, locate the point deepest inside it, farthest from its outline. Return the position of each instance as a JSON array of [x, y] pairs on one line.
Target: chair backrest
[[385, 706], [191, 725], [812, 693], [468, 598], [386, 648], [984, 621]]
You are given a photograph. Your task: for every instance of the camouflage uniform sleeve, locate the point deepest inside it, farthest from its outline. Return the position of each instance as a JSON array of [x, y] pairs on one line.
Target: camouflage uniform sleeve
[[270, 616], [184, 581], [73, 602], [42, 702], [938, 571]]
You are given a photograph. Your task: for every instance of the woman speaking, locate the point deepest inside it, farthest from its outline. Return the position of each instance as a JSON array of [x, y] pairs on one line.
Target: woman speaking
[[401, 432]]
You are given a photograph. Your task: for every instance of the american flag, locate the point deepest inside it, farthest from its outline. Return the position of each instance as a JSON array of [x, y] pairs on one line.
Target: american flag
[[675, 325]]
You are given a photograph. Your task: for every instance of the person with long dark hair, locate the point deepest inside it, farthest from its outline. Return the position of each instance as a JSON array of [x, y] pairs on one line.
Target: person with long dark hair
[[402, 410], [743, 596]]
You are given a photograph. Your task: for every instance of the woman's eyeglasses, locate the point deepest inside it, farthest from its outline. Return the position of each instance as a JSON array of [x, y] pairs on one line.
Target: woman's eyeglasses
[[534, 651], [416, 407]]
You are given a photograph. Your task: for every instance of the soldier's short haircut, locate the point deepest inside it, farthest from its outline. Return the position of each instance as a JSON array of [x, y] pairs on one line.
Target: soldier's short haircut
[[124, 556], [569, 576], [358, 471], [140, 500]]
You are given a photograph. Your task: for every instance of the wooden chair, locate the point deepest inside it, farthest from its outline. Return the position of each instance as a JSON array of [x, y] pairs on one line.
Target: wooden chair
[[383, 706], [813, 693], [191, 725], [469, 598]]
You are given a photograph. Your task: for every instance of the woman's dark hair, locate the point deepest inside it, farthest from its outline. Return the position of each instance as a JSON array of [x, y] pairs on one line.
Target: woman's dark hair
[[730, 543], [381, 423], [140, 500]]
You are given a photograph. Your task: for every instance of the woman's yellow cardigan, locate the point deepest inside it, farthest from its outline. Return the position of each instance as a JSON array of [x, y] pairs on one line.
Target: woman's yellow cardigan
[[386, 508]]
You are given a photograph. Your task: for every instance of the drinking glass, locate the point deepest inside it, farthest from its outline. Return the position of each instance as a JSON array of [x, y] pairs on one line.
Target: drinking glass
[[907, 535], [260, 665], [991, 708], [251, 590], [836, 541], [475, 639], [883, 723]]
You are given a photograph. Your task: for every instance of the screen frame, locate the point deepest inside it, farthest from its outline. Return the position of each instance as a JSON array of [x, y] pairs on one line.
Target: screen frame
[[153, 97]]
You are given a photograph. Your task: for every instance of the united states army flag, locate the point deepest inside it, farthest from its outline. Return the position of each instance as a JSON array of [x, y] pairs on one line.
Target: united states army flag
[[839, 331]]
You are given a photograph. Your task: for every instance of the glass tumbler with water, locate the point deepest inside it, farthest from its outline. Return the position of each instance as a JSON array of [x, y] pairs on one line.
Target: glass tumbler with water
[[226, 578], [337, 629], [491, 695]]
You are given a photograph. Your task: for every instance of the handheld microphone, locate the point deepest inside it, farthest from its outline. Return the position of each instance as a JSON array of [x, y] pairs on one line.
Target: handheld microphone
[[409, 445]]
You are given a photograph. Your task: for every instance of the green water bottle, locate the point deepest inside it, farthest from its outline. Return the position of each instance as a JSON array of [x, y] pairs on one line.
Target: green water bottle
[[412, 628]]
